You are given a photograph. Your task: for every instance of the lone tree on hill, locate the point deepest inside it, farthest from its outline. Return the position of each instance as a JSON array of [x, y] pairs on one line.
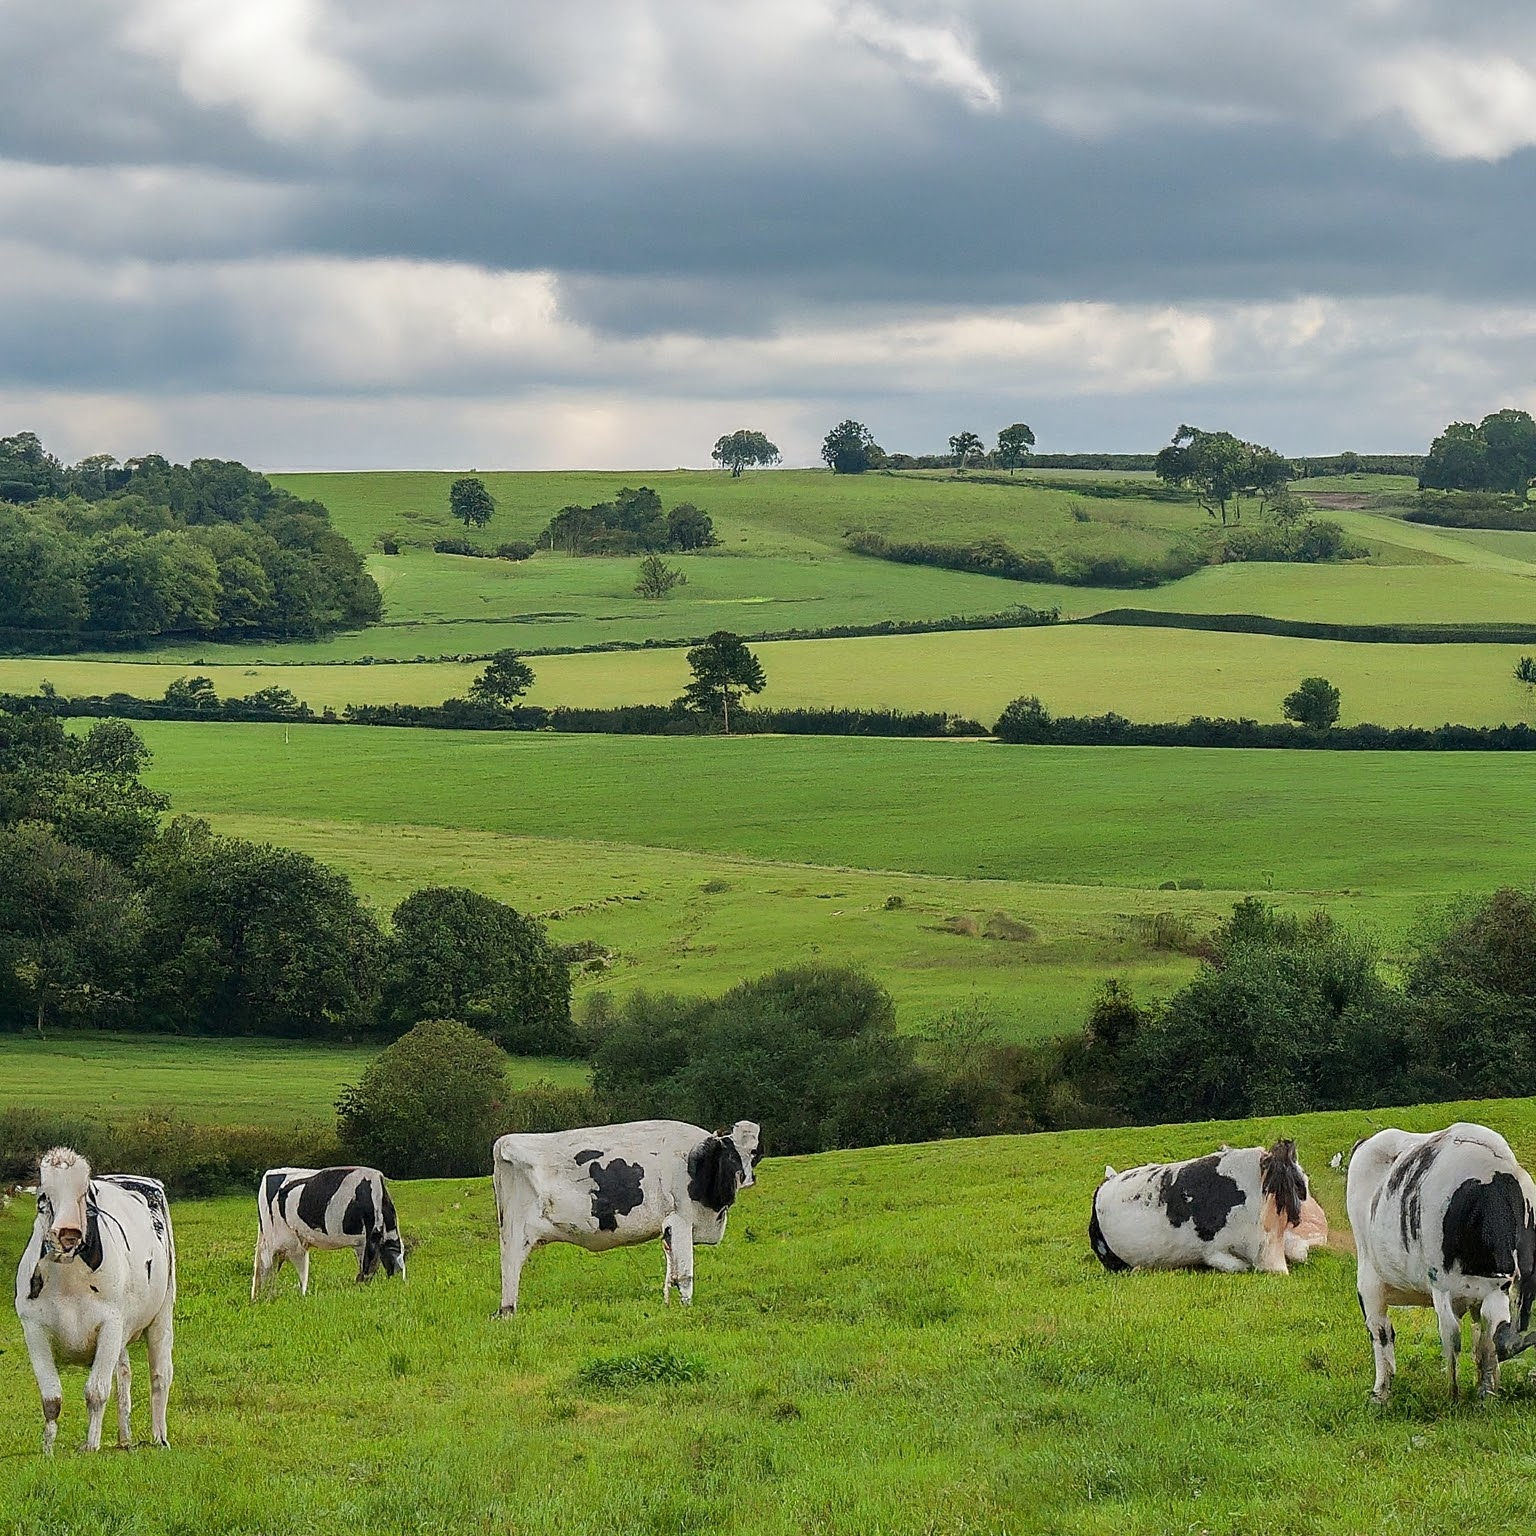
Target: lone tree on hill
[[507, 677], [723, 670], [1222, 470], [657, 578], [966, 446], [850, 448], [742, 449], [1315, 704], [470, 502], [1013, 446]]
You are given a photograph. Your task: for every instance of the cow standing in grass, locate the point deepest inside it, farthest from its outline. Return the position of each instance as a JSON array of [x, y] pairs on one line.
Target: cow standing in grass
[[1444, 1220], [613, 1185], [1233, 1210], [98, 1273], [298, 1209]]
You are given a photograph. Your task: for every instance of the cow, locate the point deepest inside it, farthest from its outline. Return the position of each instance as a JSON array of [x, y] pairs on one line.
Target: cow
[[98, 1273], [609, 1186], [302, 1208], [1232, 1210], [1445, 1219]]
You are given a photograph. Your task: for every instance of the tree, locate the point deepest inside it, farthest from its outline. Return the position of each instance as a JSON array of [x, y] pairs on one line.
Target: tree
[[1315, 704], [742, 449], [850, 448], [470, 502], [458, 954], [723, 670], [657, 578], [1498, 454], [689, 528], [1222, 470], [1013, 446], [965, 446], [507, 677], [192, 693], [70, 923], [1525, 670], [428, 1106]]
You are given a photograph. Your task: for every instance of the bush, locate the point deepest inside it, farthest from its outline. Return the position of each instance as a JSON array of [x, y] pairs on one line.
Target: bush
[[429, 1105], [457, 546], [518, 549], [547, 1106]]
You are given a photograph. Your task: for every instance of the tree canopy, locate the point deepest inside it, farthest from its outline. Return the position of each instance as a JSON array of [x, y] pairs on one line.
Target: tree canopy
[[1013, 446], [1498, 454], [850, 449], [1315, 703], [632, 523], [507, 677], [723, 671], [470, 502], [965, 446], [1222, 470], [743, 449]]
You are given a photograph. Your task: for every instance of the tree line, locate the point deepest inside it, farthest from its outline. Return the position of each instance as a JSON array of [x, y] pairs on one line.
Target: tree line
[[104, 553]]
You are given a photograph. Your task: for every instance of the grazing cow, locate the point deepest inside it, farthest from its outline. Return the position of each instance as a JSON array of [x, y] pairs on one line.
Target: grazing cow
[[613, 1185], [1233, 1210], [1444, 1220], [98, 1273], [302, 1208]]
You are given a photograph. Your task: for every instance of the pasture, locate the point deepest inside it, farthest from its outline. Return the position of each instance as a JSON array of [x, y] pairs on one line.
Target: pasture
[[896, 1340], [214, 1082]]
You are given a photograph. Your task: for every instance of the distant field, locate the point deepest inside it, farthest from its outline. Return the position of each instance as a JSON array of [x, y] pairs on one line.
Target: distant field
[[234, 1082], [899, 1340]]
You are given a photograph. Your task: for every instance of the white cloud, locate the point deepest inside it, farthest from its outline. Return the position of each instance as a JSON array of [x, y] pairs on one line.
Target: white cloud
[[1462, 107], [933, 53]]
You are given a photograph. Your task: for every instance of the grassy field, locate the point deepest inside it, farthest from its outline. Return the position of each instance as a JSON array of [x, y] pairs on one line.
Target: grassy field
[[1144, 674], [904, 1340], [217, 1082]]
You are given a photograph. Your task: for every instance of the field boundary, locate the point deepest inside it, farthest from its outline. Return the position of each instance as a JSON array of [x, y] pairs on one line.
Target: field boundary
[[1317, 629]]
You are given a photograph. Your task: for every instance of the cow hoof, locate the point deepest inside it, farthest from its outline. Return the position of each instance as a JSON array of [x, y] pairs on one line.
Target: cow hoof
[[504, 1312], [1381, 1399]]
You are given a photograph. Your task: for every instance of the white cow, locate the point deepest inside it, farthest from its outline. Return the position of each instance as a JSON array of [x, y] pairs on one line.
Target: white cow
[[302, 1208], [1444, 1220], [98, 1273], [612, 1185], [1233, 1210]]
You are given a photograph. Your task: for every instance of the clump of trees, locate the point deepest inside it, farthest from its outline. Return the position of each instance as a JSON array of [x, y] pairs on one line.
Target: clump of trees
[[1497, 454], [103, 553], [1222, 470], [742, 450], [634, 522]]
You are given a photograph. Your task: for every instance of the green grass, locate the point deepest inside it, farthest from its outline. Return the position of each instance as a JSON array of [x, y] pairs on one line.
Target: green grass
[[909, 1339], [220, 1082]]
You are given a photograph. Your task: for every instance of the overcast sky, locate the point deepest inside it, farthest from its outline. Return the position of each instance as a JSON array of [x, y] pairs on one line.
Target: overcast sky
[[511, 233]]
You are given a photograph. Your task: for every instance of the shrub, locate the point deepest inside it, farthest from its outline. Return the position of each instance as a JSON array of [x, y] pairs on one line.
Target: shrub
[[518, 549], [547, 1106], [457, 546], [429, 1105]]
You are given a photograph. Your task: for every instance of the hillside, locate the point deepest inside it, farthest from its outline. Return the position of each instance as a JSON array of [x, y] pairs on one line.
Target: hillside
[[904, 1339]]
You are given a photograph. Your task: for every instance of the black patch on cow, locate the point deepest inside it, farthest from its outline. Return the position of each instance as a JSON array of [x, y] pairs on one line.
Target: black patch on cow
[[589, 1156], [270, 1186], [714, 1173], [90, 1252], [149, 1270], [316, 1194], [152, 1193], [359, 1214], [1281, 1178], [616, 1191], [1406, 1184], [1100, 1244], [35, 1285], [1488, 1231], [1384, 1335], [387, 1207], [1201, 1193]]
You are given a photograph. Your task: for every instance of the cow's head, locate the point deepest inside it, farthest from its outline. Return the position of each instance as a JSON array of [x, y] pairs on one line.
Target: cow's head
[[747, 1137], [384, 1246], [1282, 1179], [63, 1219], [722, 1164]]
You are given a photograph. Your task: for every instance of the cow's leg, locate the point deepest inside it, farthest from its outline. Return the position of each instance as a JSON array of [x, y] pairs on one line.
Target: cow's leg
[[680, 1256], [670, 1275], [1227, 1263], [263, 1265], [1494, 1315], [50, 1388], [516, 1244], [301, 1263], [1373, 1307], [1296, 1248], [98, 1381], [1450, 1338], [124, 1400], [159, 1337]]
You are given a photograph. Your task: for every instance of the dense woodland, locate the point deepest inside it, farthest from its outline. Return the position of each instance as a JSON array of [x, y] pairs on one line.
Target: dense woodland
[[102, 553]]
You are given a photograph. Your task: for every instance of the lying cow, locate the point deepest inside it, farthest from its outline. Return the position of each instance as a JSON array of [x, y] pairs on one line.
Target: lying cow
[[1444, 1220], [302, 1208], [614, 1185], [98, 1273], [1233, 1210]]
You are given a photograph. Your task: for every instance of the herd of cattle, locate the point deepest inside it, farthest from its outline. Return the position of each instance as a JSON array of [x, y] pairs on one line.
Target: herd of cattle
[[1444, 1220]]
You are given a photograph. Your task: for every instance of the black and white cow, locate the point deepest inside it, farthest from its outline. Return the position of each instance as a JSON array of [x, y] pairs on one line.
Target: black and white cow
[[98, 1273], [613, 1185], [302, 1208], [1233, 1210], [1444, 1220]]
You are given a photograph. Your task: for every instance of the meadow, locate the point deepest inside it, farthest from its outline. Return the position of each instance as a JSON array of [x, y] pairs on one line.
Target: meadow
[[905, 1339]]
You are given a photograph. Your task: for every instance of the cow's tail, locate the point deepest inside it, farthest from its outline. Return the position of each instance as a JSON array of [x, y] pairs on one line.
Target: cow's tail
[[1100, 1244], [1281, 1179]]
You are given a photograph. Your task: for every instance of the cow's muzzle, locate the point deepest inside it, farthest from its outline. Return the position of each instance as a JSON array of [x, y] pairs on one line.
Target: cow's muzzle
[[62, 1242]]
